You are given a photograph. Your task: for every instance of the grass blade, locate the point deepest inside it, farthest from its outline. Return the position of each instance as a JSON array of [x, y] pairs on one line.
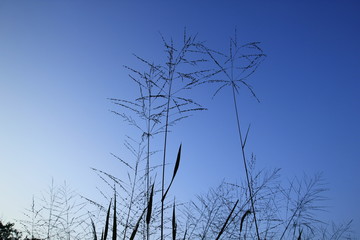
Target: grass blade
[[93, 229], [227, 220], [243, 218], [107, 223], [132, 237], [149, 208], [174, 173], [114, 233], [246, 136], [174, 225]]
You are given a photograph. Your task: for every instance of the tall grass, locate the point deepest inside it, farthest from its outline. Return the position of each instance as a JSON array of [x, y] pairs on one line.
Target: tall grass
[[159, 106], [258, 207], [254, 209], [235, 69]]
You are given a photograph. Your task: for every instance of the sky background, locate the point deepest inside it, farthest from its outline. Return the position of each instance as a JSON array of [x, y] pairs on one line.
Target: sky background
[[61, 60]]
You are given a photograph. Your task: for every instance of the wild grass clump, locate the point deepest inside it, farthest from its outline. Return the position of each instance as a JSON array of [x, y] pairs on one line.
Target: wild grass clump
[[159, 106], [260, 207], [60, 213], [142, 205]]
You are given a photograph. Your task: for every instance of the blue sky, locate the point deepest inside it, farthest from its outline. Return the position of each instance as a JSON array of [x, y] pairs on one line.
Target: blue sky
[[61, 60]]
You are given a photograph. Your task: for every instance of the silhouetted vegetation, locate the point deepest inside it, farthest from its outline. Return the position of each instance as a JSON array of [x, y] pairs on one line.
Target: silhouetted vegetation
[[59, 214], [260, 206]]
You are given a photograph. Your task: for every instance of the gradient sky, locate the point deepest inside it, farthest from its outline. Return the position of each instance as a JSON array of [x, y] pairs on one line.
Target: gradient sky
[[61, 60]]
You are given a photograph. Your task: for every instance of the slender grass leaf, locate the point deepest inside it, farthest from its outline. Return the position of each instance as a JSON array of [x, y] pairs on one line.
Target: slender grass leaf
[[114, 233], [149, 208], [93, 229], [174, 173], [132, 237], [227, 220], [246, 136], [107, 222], [243, 219], [174, 225]]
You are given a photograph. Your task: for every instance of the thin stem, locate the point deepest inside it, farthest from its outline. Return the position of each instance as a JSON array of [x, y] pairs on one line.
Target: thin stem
[[148, 158], [132, 195], [244, 161], [164, 162]]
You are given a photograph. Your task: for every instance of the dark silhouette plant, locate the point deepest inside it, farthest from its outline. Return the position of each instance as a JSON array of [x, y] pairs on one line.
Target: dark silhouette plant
[[254, 209], [231, 70], [161, 104]]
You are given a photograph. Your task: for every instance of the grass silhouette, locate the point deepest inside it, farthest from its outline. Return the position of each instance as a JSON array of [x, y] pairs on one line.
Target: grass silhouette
[[259, 212], [260, 207]]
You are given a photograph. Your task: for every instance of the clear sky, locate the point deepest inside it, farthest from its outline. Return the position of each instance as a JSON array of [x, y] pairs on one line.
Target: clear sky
[[61, 60]]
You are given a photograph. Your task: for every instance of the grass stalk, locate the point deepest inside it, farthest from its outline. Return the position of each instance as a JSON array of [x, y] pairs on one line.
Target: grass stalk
[[164, 152], [245, 164], [148, 158]]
